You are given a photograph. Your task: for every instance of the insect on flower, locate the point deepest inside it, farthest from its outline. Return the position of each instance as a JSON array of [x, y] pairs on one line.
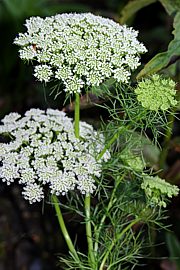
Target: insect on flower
[[34, 47]]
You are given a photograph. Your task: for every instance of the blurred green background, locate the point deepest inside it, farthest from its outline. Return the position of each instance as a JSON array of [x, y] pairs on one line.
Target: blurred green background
[[29, 237]]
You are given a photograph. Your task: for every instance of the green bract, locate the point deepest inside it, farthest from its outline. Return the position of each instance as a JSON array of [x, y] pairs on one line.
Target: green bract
[[156, 93], [158, 190], [80, 49]]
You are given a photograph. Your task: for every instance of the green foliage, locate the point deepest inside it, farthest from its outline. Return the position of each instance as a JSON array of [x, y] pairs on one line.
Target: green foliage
[[70, 262], [132, 7], [120, 213], [161, 60], [125, 110], [164, 59], [126, 171], [171, 6]]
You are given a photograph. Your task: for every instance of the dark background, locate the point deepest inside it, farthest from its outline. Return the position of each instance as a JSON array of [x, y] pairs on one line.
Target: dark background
[[29, 235]]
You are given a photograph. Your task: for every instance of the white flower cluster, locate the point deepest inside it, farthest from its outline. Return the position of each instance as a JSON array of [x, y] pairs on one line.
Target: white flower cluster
[[80, 49], [44, 151]]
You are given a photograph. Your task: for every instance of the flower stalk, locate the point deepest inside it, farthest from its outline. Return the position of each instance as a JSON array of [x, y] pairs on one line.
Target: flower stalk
[[63, 227], [77, 115], [91, 256], [87, 202]]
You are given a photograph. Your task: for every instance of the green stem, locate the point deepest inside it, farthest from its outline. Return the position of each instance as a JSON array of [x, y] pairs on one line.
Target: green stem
[[88, 198], [77, 115], [112, 140], [107, 146], [89, 232], [87, 202], [110, 204], [118, 237], [63, 227]]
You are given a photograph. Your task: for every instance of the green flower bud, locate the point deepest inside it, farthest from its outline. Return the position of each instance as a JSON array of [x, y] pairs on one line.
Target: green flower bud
[[158, 190], [131, 160], [156, 93]]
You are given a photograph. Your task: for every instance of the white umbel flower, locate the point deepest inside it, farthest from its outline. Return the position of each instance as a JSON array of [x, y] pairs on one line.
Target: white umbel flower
[[80, 49], [44, 152], [33, 193], [43, 73]]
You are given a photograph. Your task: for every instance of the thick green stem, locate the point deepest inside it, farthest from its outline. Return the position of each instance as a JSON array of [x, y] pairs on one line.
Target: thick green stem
[[118, 237], [63, 227], [77, 115], [89, 232]]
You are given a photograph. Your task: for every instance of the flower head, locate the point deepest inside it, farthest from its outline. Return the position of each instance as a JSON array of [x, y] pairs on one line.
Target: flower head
[[156, 93], [157, 190], [44, 151], [80, 49]]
